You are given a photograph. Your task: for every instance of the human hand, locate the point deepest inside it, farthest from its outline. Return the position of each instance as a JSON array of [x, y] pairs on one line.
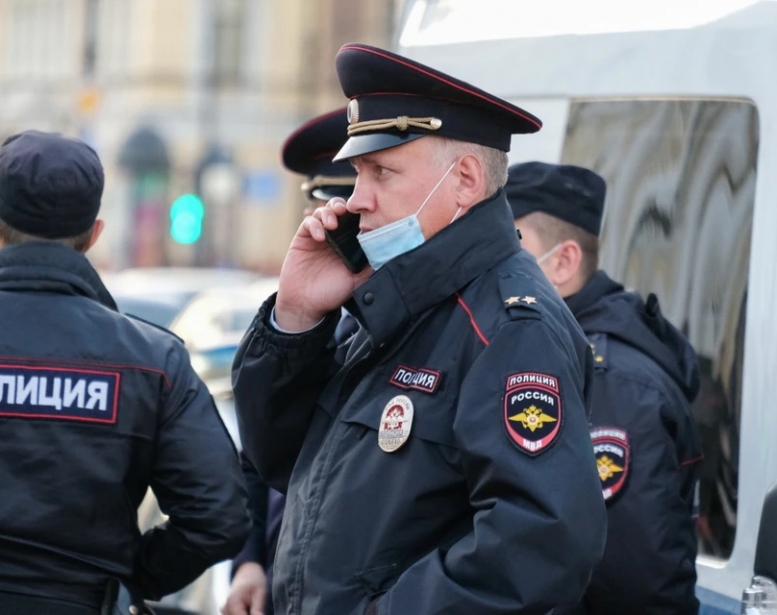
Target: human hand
[[314, 281], [247, 592]]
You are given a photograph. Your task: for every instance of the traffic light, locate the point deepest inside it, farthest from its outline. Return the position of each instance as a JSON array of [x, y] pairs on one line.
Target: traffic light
[[186, 214]]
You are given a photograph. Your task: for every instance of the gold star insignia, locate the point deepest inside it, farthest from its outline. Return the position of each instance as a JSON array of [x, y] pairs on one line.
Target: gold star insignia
[[607, 467], [530, 300], [599, 359], [532, 418], [513, 300]]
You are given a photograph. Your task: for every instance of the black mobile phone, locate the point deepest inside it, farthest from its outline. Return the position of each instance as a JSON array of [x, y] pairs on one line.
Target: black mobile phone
[[344, 243]]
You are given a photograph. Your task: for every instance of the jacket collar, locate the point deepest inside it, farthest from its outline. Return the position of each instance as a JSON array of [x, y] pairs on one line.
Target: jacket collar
[[599, 285], [413, 282], [50, 267]]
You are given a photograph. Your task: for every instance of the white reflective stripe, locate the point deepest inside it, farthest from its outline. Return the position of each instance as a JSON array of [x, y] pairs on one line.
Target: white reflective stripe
[[29, 390], [98, 396], [55, 399], [74, 393], [7, 389]]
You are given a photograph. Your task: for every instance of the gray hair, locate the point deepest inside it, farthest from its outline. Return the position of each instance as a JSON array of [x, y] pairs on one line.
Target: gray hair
[[552, 231], [494, 160]]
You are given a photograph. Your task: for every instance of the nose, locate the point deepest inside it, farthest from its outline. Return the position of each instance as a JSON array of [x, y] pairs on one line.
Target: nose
[[362, 199]]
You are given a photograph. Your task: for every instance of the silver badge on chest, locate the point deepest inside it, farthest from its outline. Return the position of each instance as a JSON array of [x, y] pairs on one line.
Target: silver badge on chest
[[395, 423]]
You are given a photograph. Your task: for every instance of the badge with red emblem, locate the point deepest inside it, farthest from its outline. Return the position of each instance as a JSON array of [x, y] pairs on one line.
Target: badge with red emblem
[[395, 423], [532, 413], [611, 449]]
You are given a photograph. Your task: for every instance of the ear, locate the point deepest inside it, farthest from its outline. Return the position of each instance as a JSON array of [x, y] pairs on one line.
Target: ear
[[97, 230], [565, 267], [472, 182]]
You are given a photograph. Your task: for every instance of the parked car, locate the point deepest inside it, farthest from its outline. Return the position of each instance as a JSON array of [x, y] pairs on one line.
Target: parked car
[[158, 294], [218, 317]]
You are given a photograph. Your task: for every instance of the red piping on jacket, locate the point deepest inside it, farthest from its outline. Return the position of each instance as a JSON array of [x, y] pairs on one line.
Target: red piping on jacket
[[472, 319]]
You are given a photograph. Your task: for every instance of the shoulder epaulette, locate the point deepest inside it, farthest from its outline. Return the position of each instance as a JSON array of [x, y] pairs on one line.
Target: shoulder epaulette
[[598, 342], [519, 296]]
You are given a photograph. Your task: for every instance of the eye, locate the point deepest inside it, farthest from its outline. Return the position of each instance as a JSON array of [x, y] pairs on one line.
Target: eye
[[381, 171]]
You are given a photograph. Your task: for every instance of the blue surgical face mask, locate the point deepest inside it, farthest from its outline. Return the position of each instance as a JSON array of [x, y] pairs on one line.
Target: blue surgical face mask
[[391, 240]]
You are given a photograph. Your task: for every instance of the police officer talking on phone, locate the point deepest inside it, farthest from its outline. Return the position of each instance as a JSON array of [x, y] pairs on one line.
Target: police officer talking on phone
[[440, 461], [646, 377], [95, 407], [308, 151]]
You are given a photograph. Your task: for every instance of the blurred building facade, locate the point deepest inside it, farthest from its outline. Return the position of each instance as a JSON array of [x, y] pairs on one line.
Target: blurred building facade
[[184, 97]]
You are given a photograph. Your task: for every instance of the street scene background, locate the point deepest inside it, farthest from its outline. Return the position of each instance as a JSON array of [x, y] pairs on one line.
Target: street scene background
[[187, 102]]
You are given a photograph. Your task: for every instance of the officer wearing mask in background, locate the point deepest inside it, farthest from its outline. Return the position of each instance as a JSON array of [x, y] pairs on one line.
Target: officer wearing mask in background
[[428, 466], [94, 408], [643, 432], [309, 152]]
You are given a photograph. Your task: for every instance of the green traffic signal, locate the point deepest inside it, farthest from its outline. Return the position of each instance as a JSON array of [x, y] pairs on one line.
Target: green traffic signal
[[186, 214]]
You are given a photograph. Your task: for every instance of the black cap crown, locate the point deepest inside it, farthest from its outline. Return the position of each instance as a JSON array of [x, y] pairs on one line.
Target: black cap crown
[[570, 193], [50, 185], [395, 100]]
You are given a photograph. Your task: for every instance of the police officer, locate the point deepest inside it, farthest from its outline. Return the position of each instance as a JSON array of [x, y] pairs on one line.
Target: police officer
[[94, 408], [309, 152], [429, 467], [642, 428]]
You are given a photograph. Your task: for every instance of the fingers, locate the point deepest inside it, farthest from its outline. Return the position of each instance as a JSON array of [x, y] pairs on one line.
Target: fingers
[[236, 605], [257, 601], [338, 205], [324, 218], [312, 226]]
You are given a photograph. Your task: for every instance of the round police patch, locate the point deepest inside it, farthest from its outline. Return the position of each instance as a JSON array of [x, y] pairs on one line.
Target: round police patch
[[611, 449], [395, 423], [532, 414]]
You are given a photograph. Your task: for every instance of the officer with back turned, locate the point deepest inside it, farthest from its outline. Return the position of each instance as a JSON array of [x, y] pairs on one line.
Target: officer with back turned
[[95, 407]]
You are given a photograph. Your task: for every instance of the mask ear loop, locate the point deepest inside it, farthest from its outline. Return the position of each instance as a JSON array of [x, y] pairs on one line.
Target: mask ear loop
[[548, 254], [437, 185]]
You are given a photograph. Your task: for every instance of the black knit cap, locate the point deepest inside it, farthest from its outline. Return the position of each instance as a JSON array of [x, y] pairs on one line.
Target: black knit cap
[[50, 185], [395, 100], [570, 193], [309, 151]]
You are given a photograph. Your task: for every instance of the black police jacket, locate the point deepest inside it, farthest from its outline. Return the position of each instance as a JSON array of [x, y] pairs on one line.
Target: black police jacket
[[94, 408], [441, 457], [647, 452]]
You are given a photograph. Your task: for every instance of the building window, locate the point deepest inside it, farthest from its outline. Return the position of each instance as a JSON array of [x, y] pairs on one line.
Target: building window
[[114, 30], [680, 194], [90, 36], [38, 39], [228, 43]]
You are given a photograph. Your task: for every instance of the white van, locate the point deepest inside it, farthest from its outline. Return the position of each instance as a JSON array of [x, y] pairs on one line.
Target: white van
[[674, 103]]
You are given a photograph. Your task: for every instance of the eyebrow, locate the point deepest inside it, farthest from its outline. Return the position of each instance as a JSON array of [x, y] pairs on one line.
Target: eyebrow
[[364, 158]]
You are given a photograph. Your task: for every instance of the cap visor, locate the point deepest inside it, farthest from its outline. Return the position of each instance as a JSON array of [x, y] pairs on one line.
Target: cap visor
[[324, 193], [365, 144]]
